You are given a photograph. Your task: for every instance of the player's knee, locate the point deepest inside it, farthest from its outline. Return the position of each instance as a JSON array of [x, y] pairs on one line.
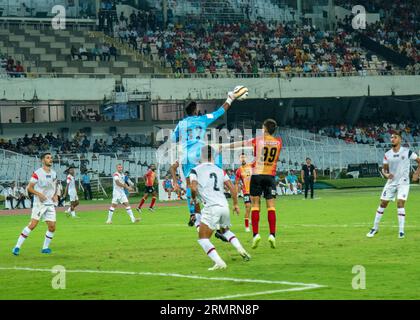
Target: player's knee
[[223, 230], [384, 204], [400, 203], [32, 225], [51, 228]]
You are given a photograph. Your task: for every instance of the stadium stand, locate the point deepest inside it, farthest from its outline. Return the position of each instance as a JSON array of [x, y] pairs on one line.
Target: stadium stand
[[80, 143], [249, 48], [49, 51], [138, 44], [398, 27], [374, 134]]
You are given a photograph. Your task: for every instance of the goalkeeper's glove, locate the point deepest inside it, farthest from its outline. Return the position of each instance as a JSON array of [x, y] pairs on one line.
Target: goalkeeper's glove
[[230, 98], [237, 92]]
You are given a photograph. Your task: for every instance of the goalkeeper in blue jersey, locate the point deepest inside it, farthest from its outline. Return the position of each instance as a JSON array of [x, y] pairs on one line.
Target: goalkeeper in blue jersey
[[190, 132]]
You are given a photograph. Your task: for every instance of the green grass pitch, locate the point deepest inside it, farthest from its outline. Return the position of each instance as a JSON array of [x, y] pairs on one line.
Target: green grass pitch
[[318, 242]]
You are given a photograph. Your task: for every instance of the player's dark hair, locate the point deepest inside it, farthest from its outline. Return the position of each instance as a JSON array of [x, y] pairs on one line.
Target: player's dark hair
[[397, 133], [190, 108], [44, 155], [208, 152], [270, 125], [308, 158]]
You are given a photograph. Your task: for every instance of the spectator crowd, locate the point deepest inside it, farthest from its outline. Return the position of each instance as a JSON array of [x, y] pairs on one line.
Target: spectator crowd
[[398, 27], [10, 67], [245, 47], [373, 134], [80, 143]]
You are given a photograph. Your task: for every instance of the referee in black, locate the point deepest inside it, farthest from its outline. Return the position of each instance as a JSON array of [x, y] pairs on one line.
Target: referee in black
[[308, 176]]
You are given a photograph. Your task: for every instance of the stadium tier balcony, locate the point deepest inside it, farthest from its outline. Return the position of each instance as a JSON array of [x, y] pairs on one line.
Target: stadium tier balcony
[[398, 27], [49, 51]]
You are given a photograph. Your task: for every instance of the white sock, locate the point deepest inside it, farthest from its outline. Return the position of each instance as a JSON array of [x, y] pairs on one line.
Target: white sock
[[68, 210], [230, 236], [401, 218], [73, 213], [210, 250], [25, 233], [130, 214], [48, 237], [110, 213], [197, 220], [378, 217]]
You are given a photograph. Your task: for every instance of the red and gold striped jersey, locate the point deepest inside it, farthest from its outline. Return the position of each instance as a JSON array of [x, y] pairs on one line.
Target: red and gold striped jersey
[[244, 174], [266, 152], [150, 178]]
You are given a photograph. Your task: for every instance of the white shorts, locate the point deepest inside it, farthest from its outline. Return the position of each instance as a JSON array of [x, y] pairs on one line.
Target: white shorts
[[119, 198], [391, 190], [215, 217], [47, 213], [73, 197]]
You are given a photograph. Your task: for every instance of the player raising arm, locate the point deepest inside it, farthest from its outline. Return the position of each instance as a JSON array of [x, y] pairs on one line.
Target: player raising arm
[[190, 133], [266, 152], [396, 168], [43, 185], [208, 181]]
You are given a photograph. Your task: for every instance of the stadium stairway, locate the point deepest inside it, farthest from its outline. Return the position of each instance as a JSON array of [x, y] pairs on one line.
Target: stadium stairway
[[48, 51], [151, 60]]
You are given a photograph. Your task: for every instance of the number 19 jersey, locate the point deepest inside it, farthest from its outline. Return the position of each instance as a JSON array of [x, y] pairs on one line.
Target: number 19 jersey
[[210, 179]]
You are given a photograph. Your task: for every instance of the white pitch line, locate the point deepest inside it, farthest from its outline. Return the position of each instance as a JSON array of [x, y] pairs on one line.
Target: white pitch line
[[303, 286], [260, 293]]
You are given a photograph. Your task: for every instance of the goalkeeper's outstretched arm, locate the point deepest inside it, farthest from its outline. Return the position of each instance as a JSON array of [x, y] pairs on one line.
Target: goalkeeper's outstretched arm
[[232, 96]]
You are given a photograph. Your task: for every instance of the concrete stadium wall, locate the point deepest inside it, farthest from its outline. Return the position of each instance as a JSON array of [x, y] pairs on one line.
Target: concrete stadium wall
[[209, 89], [273, 88], [55, 88]]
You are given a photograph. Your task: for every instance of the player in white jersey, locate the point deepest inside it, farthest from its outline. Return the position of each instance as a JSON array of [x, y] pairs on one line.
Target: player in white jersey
[[396, 168], [71, 190], [119, 196], [43, 185], [208, 182]]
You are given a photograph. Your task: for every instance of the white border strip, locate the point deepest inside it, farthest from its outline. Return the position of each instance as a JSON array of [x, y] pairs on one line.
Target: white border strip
[[301, 286]]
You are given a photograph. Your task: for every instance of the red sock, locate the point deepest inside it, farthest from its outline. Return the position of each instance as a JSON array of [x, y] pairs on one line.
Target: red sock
[[246, 223], [153, 202], [141, 203], [272, 220], [255, 219]]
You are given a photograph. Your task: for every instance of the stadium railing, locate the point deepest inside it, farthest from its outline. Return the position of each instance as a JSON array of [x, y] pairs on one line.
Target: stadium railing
[[282, 75], [45, 23]]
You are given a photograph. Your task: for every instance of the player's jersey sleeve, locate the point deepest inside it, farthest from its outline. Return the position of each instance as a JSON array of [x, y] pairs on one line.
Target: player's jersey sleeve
[[175, 134], [34, 178], [385, 161], [225, 176], [238, 176], [251, 142], [412, 155], [209, 118], [68, 179], [193, 175], [116, 177]]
